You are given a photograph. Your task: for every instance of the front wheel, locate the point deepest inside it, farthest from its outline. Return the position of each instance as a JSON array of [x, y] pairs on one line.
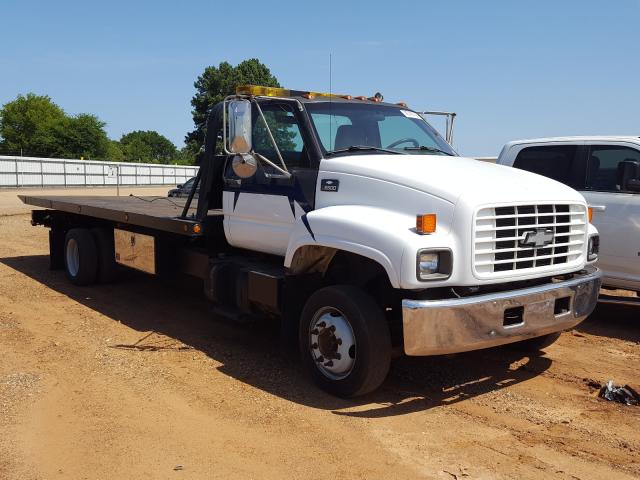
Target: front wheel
[[344, 341]]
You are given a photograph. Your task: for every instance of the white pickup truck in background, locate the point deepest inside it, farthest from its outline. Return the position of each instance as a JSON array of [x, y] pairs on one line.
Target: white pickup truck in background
[[606, 170]]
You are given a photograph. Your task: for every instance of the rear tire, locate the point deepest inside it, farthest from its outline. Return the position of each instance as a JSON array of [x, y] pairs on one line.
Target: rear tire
[[344, 341], [107, 266], [80, 257], [538, 343]]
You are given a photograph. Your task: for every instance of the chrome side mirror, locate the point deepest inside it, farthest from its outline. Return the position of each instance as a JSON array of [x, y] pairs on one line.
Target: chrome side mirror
[[239, 114], [244, 166]]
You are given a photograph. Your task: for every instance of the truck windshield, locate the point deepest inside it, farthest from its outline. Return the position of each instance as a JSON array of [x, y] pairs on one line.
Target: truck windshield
[[348, 128]]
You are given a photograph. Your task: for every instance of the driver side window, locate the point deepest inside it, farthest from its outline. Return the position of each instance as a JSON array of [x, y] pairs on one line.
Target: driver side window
[[285, 129]]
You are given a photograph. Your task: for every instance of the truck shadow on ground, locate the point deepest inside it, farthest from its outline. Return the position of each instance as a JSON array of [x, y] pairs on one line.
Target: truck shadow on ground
[[614, 321], [180, 318]]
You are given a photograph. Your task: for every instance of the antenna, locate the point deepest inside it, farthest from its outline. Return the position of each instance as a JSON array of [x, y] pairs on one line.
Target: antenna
[[330, 72]]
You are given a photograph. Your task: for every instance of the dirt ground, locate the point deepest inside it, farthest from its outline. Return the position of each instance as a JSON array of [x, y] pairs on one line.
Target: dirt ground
[[137, 380]]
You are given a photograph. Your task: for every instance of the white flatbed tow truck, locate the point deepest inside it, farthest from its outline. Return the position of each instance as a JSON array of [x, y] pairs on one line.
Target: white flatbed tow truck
[[353, 223]]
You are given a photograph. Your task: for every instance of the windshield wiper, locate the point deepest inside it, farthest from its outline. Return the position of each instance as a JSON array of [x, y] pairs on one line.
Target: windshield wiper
[[428, 149], [363, 148]]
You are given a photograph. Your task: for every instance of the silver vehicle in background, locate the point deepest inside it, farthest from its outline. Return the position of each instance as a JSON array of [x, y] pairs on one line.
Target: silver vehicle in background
[[606, 170]]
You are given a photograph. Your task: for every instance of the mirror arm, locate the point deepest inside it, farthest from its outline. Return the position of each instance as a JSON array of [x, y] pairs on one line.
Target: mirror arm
[[284, 173], [275, 145]]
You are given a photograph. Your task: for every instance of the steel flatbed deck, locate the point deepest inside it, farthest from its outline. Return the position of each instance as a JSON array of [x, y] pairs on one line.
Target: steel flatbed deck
[[160, 213]]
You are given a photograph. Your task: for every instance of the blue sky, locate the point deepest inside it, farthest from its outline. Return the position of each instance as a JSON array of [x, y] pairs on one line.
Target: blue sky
[[510, 69]]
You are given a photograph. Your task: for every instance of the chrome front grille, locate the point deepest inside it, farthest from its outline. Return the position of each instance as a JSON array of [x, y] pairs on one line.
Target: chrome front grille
[[528, 238]]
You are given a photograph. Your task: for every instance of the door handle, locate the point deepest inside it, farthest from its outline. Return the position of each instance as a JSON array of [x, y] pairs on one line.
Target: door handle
[[598, 208]]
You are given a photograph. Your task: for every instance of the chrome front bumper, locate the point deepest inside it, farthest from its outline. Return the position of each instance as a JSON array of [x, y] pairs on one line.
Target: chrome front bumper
[[435, 327]]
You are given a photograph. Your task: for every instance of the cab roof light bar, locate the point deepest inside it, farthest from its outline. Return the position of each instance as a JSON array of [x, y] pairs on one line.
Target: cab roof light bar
[[260, 91]]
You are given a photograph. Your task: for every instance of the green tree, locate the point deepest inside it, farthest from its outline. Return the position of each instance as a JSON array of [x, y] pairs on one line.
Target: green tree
[[114, 151], [215, 84], [34, 125], [80, 136], [27, 125], [147, 146], [185, 156]]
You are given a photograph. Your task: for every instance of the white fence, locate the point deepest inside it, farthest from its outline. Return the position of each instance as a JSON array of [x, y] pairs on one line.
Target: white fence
[[52, 172]]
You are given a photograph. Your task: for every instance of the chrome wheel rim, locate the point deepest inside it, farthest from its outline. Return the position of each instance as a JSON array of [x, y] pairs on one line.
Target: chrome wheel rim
[[332, 343], [73, 257]]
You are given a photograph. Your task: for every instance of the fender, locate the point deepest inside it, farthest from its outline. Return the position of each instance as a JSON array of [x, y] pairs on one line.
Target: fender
[[347, 227]]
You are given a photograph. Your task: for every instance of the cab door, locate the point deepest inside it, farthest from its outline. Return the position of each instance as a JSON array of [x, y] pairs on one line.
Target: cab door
[[616, 213], [260, 212]]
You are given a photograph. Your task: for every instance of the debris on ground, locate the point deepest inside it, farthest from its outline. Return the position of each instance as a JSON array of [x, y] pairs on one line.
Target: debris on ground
[[624, 394]]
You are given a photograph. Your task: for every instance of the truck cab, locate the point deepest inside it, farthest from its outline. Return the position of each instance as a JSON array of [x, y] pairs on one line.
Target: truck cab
[[606, 171], [353, 223]]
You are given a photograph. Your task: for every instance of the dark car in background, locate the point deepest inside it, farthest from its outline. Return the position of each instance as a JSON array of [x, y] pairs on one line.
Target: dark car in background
[[182, 191]]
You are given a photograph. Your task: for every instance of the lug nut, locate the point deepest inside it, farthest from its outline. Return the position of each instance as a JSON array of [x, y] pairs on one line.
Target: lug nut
[[314, 345], [320, 359], [332, 328], [329, 364], [339, 341], [314, 331], [337, 356], [322, 324]]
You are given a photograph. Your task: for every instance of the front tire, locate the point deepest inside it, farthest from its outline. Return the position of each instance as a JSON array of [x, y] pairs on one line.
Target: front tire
[[80, 256], [344, 341]]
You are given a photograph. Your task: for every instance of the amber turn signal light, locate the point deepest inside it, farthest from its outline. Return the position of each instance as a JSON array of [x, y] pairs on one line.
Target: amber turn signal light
[[426, 223], [590, 210]]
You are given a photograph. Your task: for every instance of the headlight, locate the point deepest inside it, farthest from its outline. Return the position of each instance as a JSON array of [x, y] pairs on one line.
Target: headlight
[[434, 264], [593, 248], [428, 263]]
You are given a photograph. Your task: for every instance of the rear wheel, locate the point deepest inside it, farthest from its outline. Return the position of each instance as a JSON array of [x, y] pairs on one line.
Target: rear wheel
[[538, 343], [107, 266], [80, 256], [344, 341]]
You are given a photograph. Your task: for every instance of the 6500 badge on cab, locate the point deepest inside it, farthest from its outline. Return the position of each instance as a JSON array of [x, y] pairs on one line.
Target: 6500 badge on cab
[[329, 185]]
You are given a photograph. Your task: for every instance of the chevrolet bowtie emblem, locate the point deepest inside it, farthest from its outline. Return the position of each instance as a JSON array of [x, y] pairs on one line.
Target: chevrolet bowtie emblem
[[537, 238]]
